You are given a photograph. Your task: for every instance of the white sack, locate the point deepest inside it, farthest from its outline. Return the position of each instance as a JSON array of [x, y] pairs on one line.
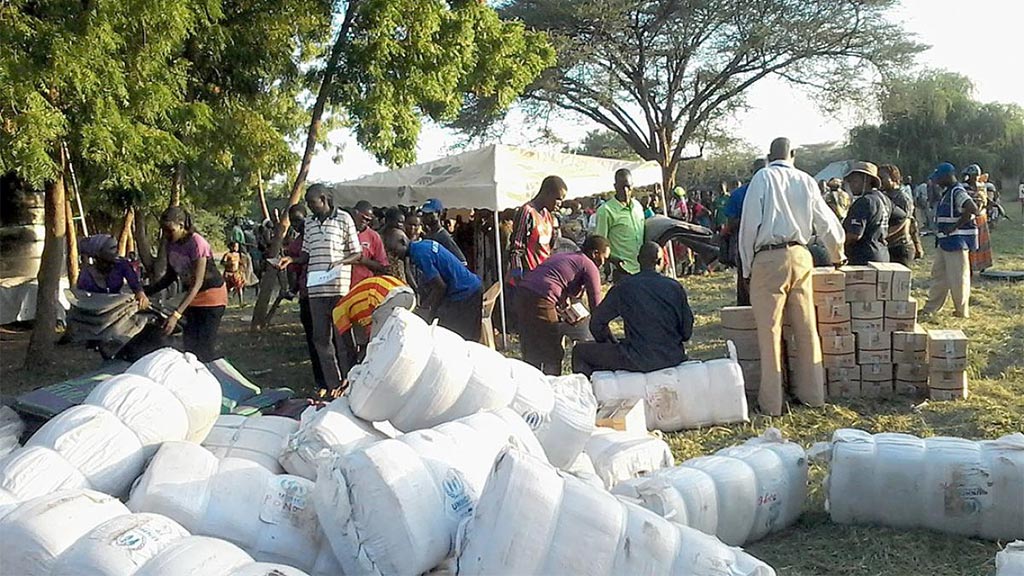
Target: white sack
[[583, 468], [41, 529], [11, 429], [619, 456], [534, 400], [119, 546], [267, 569], [490, 386], [36, 471], [267, 515], [190, 381], [533, 520], [740, 494], [565, 433], [394, 507], [946, 484], [95, 442], [619, 385], [1010, 560], [261, 439], [331, 428], [148, 409], [439, 386], [197, 556]]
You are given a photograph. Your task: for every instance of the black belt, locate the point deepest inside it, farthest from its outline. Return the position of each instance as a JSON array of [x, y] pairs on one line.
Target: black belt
[[777, 246]]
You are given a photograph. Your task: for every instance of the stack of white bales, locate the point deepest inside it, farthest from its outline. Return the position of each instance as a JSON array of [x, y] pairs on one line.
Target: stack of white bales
[[85, 533], [532, 520], [616, 456], [268, 515], [690, 395], [950, 485], [322, 432], [261, 439], [103, 443], [741, 494]]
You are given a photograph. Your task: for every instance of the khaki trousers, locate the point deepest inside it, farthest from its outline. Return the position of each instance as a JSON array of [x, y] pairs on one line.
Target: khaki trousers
[[780, 286], [951, 275]]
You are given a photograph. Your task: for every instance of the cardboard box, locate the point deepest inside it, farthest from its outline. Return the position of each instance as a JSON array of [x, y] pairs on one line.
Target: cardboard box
[[899, 324], [829, 299], [947, 395], [623, 415], [893, 280], [910, 356], [831, 314], [947, 344], [828, 279], [902, 309], [738, 318], [876, 325], [840, 374], [867, 310], [903, 388], [845, 389], [860, 275], [876, 372], [838, 344], [882, 389], [915, 340], [751, 375], [861, 293], [746, 343], [912, 372], [947, 380], [865, 357], [837, 329], [839, 360], [871, 340], [948, 364]]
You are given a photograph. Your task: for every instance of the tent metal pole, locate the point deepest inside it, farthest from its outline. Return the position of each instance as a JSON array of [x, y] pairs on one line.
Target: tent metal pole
[[501, 279]]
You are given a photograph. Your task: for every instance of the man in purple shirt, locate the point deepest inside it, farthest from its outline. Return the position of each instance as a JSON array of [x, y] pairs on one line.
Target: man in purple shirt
[[546, 290]]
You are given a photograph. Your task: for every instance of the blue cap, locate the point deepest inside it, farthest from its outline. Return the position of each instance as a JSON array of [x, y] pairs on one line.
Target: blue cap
[[433, 206], [943, 169]]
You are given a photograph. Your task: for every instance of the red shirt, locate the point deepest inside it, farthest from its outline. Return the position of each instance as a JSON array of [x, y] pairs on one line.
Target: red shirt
[[373, 248], [532, 239]]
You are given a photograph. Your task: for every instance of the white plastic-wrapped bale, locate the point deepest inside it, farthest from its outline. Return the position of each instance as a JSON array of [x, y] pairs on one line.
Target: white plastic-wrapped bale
[[534, 400], [394, 507], [583, 469], [197, 556], [741, 494], [439, 383], [533, 520], [11, 429], [609, 386], [261, 439], [1010, 560], [565, 433], [950, 485], [267, 515], [119, 546], [333, 428], [619, 456], [97, 443], [41, 529], [190, 381], [148, 409], [35, 471], [267, 569]]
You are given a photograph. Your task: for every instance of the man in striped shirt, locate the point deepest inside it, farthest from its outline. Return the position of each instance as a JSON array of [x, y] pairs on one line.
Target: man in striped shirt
[[330, 245], [369, 304]]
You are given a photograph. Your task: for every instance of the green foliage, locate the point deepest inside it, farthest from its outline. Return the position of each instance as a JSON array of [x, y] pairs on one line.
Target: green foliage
[[605, 144], [728, 161], [444, 60], [934, 118]]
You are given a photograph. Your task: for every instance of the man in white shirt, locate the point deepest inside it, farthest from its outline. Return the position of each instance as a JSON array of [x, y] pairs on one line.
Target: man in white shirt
[[782, 211]]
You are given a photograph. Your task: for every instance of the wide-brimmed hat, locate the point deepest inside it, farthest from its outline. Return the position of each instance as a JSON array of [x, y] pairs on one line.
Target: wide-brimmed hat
[[972, 170], [865, 168]]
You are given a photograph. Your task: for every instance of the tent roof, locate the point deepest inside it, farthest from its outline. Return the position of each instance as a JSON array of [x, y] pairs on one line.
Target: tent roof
[[493, 177], [836, 169]]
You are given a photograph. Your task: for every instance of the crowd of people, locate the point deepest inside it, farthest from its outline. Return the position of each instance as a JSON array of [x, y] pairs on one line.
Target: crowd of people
[[349, 267]]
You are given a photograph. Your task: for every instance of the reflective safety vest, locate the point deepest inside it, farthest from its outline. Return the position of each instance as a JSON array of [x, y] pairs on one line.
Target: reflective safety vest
[[947, 215]]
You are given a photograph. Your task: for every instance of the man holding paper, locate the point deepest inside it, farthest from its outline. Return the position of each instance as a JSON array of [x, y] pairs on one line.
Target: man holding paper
[[330, 245]]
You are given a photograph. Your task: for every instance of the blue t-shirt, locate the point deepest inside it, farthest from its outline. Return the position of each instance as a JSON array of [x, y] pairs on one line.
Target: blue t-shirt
[[735, 206], [431, 260]]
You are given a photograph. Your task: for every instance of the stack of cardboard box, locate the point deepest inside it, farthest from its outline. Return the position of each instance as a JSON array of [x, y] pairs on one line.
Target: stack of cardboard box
[[739, 326], [910, 354], [835, 330], [947, 364]]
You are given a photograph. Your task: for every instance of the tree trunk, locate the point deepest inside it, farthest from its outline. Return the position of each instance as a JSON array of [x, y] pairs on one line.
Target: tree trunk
[[69, 216], [262, 195], [123, 239], [142, 240], [668, 175], [269, 286], [177, 183], [44, 333]]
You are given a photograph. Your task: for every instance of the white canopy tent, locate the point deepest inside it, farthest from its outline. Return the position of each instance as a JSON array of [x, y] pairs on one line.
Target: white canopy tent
[[495, 177]]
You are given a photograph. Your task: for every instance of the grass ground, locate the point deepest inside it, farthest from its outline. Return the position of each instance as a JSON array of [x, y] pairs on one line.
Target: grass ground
[[814, 546]]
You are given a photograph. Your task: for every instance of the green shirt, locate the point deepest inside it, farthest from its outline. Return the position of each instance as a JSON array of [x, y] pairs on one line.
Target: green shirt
[[623, 226], [720, 203]]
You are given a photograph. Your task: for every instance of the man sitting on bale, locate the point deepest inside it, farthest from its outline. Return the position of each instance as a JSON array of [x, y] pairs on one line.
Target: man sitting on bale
[[543, 300], [656, 316]]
